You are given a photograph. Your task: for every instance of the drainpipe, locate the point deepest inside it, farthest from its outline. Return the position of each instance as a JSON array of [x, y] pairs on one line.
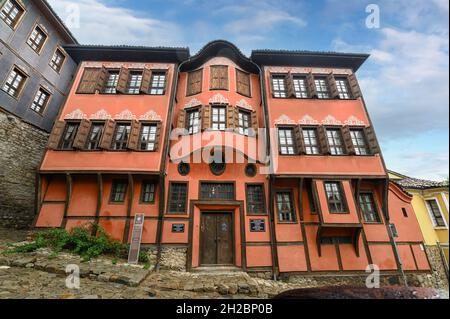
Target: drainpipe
[[271, 177], [163, 173], [397, 256], [392, 235]]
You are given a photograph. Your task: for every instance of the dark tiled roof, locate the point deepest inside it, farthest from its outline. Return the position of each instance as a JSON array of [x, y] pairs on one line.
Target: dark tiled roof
[[309, 58], [407, 182]]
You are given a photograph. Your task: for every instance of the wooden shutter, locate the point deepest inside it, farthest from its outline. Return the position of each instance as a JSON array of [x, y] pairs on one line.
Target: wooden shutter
[[102, 79], [206, 123], [79, 142], [146, 81], [55, 136], [333, 87], [348, 142], [323, 140], [231, 117], [354, 86], [122, 84], [219, 77], [181, 119], [290, 90], [372, 140], [135, 134], [215, 78], [299, 141], [158, 135], [311, 85], [243, 83], [223, 73], [194, 85], [108, 134], [89, 82], [255, 124]]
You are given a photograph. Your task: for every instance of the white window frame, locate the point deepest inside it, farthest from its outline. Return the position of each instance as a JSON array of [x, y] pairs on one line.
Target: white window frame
[[430, 213]]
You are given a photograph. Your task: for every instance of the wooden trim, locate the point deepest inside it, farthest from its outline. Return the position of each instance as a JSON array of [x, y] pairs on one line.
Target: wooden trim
[[291, 191], [42, 28], [273, 234], [338, 255], [93, 172], [21, 88], [126, 232], [375, 202], [21, 18], [141, 193], [186, 199], [200, 182], [300, 198], [63, 52], [343, 195], [290, 243], [305, 241], [69, 186], [264, 199]]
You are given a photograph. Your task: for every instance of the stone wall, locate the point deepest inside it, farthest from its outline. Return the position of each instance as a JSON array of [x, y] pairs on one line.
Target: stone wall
[[21, 149], [438, 278], [172, 258]]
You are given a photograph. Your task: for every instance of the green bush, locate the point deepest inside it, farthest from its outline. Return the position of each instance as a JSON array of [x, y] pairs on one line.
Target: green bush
[[80, 241]]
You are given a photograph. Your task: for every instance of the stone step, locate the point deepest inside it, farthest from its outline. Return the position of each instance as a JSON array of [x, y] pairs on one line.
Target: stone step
[[218, 270]]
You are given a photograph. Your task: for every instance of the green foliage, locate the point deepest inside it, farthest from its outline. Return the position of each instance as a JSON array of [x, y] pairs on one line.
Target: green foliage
[[80, 241]]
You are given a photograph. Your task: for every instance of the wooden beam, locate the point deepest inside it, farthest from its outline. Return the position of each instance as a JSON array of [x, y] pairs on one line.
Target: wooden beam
[[126, 232]]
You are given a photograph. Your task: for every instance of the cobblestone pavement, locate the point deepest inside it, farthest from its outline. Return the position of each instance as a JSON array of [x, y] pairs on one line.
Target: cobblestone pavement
[[42, 275]]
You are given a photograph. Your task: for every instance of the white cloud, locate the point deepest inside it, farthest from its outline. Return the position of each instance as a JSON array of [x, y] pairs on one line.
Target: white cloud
[[425, 165], [107, 24], [406, 82]]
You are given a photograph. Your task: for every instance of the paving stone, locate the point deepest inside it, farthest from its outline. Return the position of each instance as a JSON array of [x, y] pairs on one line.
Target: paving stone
[[23, 261]]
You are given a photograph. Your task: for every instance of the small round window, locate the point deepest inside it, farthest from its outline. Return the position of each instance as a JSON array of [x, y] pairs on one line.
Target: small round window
[[250, 170], [184, 169], [217, 168]]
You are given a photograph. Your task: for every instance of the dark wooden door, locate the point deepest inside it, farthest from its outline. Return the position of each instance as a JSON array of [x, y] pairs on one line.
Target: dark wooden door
[[216, 239]]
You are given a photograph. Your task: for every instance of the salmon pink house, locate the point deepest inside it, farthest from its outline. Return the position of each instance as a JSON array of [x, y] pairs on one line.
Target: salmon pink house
[[265, 164]]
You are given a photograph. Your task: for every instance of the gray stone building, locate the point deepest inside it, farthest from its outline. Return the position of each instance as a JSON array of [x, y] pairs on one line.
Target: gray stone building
[[35, 76]]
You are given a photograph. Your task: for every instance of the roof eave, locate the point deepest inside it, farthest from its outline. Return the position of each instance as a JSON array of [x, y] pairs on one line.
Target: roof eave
[[309, 59]]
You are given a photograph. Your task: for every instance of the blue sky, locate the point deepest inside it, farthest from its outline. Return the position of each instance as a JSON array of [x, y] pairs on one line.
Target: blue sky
[[405, 82]]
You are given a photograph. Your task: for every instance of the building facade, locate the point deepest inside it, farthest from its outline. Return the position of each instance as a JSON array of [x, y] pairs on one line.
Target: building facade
[[430, 203], [266, 164], [35, 76]]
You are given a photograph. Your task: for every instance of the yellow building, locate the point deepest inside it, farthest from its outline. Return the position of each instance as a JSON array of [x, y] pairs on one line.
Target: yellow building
[[430, 203]]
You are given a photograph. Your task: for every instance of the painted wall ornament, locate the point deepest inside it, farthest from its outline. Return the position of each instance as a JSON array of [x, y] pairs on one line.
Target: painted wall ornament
[[101, 115], [125, 115], [284, 120], [76, 115], [354, 121], [218, 99], [150, 116], [331, 120], [308, 120], [193, 103], [244, 104]]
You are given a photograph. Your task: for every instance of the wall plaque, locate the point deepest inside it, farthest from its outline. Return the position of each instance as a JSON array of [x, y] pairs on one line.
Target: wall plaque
[[178, 228], [257, 225], [136, 237]]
